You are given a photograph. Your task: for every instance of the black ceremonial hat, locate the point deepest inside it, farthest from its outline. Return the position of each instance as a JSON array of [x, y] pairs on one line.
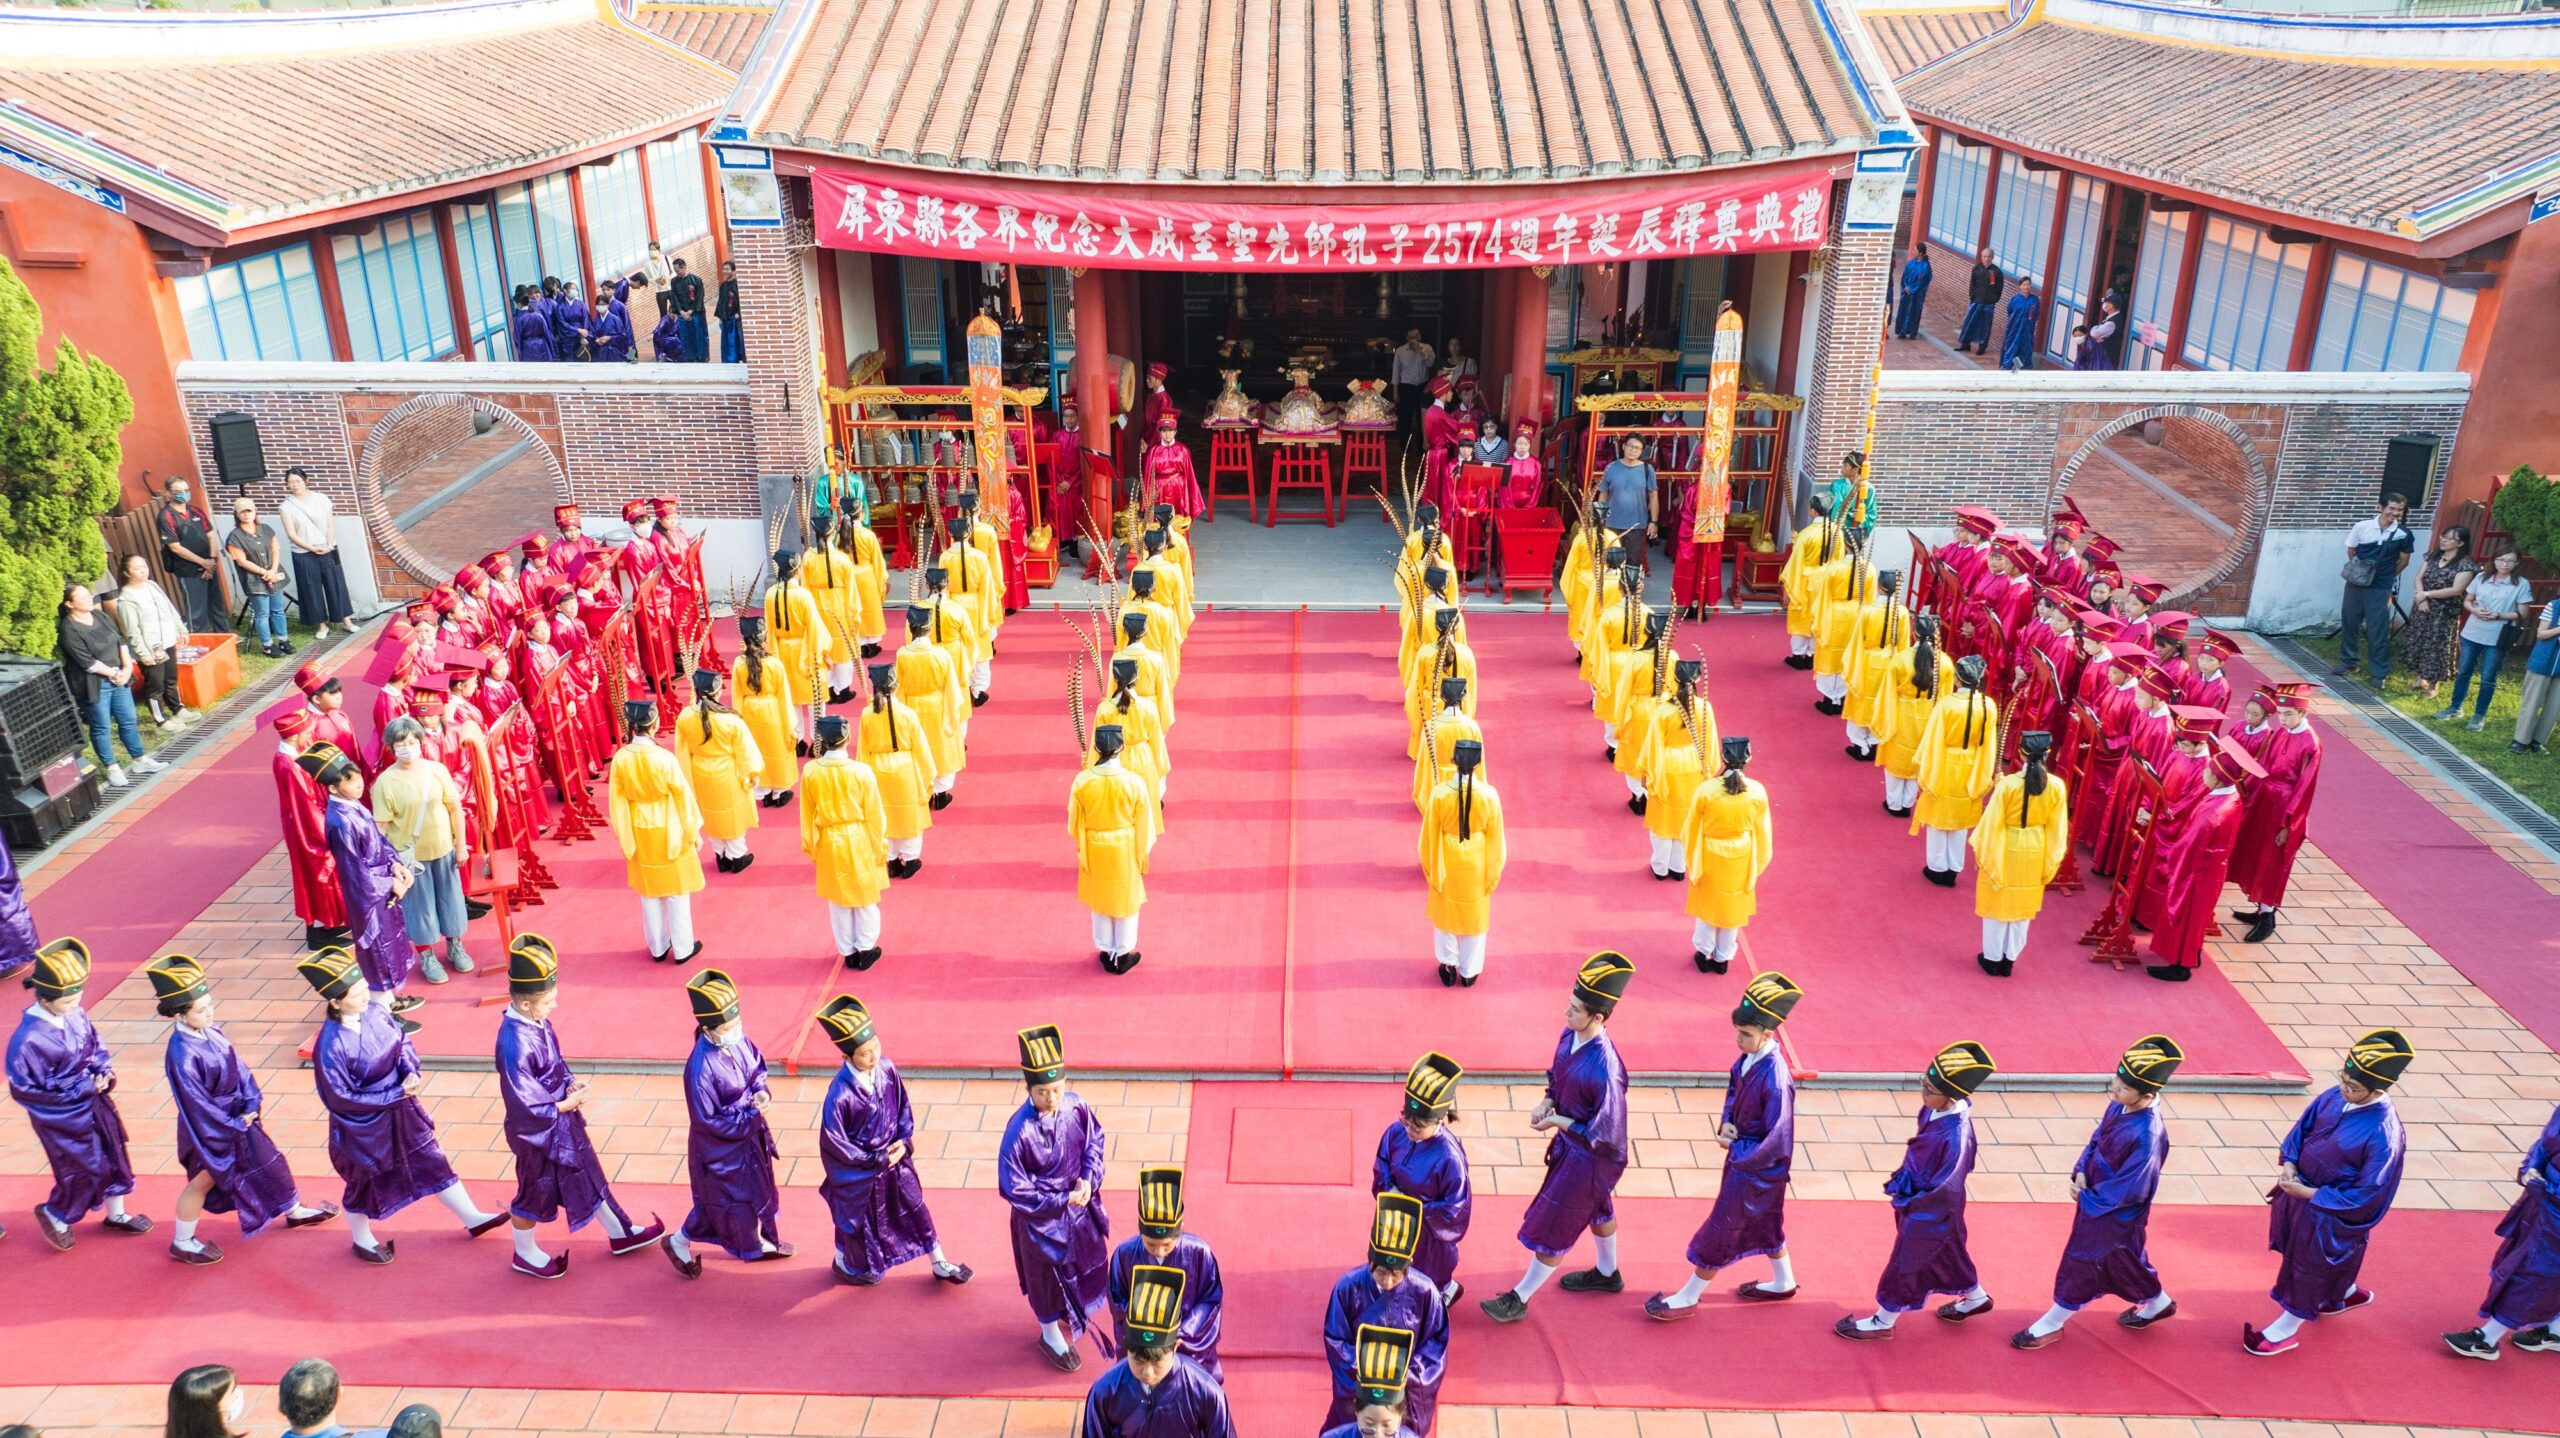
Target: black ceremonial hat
[[2149, 1063], [1602, 980], [1431, 1086], [1767, 1000]]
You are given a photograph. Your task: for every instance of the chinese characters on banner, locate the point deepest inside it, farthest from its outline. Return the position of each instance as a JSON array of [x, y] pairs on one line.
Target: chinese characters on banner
[[1724, 391], [864, 211]]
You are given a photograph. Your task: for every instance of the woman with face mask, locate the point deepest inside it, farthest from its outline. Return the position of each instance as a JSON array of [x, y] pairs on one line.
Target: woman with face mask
[[729, 1148], [207, 1401], [419, 806]]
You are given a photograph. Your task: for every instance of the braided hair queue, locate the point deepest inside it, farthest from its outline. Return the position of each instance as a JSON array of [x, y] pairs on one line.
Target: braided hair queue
[[1924, 658], [2031, 784]]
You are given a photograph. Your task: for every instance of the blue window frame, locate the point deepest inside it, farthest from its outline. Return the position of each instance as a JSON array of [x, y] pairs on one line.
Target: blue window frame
[[1955, 193], [678, 207], [262, 307], [484, 284], [2379, 317], [2022, 217], [2248, 296], [391, 279], [617, 214]]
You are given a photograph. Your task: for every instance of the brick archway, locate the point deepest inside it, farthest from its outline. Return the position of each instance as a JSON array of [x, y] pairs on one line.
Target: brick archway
[[2256, 501], [389, 545]]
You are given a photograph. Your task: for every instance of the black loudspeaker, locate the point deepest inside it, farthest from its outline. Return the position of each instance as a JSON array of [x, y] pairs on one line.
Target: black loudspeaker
[[237, 455], [2409, 468], [39, 727]]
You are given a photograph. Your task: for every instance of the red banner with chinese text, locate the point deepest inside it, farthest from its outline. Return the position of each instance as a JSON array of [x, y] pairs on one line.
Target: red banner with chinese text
[[1671, 216]]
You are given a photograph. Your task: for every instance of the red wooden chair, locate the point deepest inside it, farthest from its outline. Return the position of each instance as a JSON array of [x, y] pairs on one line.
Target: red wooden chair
[[1231, 458], [1364, 457], [1307, 467]]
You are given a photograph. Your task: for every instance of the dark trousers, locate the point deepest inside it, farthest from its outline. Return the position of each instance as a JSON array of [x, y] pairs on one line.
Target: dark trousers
[[203, 602], [159, 684], [320, 587], [2482, 661], [1977, 327], [697, 337], [1409, 408], [1906, 313], [2365, 617], [733, 343]]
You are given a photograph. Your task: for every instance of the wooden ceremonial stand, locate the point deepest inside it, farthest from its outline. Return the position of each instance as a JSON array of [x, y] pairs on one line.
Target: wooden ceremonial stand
[[2071, 763], [1302, 464], [2112, 931], [1364, 456], [1231, 456]]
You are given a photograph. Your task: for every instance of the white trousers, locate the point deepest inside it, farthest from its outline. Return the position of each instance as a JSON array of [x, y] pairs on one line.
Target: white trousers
[[668, 924], [1635, 786], [1463, 952], [1901, 793], [907, 848], [729, 848], [1834, 687], [945, 783], [1715, 943], [981, 677], [1799, 644], [1667, 856], [1861, 735], [855, 929], [1946, 849], [1115, 936], [867, 641], [1608, 734], [840, 676], [2004, 940]]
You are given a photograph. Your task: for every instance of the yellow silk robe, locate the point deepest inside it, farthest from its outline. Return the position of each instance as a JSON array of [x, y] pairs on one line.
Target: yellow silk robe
[[1112, 818], [1795, 577], [1422, 629], [1164, 631], [767, 710], [1838, 595], [930, 680], [844, 829], [894, 742], [1627, 704], [1883, 629], [1448, 726], [975, 584], [721, 765], [1173, 588], [1728, 843], [1142, 745], [984, 538], [1902, 712], [1959, 755], [797, 630], [1673, 764], [1422, 676], [1462, 872], [870, 585], [831, 575], [954, 626], [1575, 580], [1152, 679], [1590, 637], [655, 820], [2013, 861]]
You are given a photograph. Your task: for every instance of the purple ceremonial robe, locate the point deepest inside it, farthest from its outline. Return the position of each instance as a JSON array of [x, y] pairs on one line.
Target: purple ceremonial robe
[[380, 1139], [1589, 1087], [366, 862], [1750, 1215], [1435, 1172], [2353, 1158], [2119, 1171], [881, 1220], [18, 942], [1187, 1404], [215, 1095], [1204, 1297], [1411, 1305], [1929, 1254], [2524, 1279], [612, 337], [557, 1167], [729, 1149], [1060, 1251], [60, 1074], [666, 342], [532, 333], [569, 324]]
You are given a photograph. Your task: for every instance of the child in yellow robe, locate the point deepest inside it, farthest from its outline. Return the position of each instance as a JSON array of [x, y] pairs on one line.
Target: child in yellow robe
[[1680, 733], [955, 628], [977, 587], [929, 679], [1164, 626], [1112, 818], [1447, 655], [798, 628], [1136, 642], [1883, 630], [721, 762], [844, 829], [831, 575], [1142, 745], [1914, 679], [1178, 545], [1422, 617], [868, 613], [1462, 861], [1841, 590], [1454, 721], [1815, 545], [1959, 755], [1637, 680], [659, 828], [893, 741], [2019, 843], [763, 699], [1728, 842], [1608, 591]]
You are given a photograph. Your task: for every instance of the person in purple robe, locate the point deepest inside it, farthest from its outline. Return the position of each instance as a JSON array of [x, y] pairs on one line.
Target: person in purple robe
[[61, 1074], [1382, 1358], [529, 329], [1419, 1157], [371, 879], [557, 1167], [232, 1166], [1162, 1243], [1154, 1391], [1383, 1293], [1758, 1132], [610, 329], [1584, 1114], [666, 342], [2112, 1185], [380, 1138], [1049, 1170], [18, 942], [866, 1138], [1929, 1253], [2524, 1277], [2340, 1169], [728, 1148], [572, 326]]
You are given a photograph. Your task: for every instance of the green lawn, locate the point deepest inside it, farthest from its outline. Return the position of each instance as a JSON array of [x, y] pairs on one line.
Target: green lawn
[[2536, 776]]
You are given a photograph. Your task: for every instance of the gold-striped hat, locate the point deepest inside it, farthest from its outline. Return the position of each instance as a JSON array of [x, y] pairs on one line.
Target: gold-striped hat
[[1602, 980], [533, 966], [61, 969], [1044, 1054], [331, 972], [2379, 1058], [1380, 1360], [177, 981], [714, 996], [1431, 1087], [847, 1022], [1160, 1200], [2149, 1063], [325, 762], [1767, 1000], [1960, 1068], [1395, 1231], [1155, 1304]]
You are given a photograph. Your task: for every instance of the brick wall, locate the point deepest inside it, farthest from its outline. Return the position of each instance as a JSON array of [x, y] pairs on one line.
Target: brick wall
[[779, 310], [1856, 274], [422, 438]]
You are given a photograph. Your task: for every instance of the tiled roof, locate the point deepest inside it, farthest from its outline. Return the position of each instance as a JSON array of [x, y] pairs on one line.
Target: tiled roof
[[2359, 145], [721, 34], [1909, 39], [276, 136], [1313, 91]]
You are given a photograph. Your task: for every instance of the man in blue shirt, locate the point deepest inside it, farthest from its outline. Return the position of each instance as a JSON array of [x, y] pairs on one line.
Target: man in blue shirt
[[2377, 550]]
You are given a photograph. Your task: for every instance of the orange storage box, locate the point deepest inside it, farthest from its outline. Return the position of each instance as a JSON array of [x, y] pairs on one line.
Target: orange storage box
[[213, 673]]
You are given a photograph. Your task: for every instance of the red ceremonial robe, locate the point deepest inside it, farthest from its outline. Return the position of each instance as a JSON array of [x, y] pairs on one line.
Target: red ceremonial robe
[[1440, 429], [304, 810], [2184, 781], [2192, 871], [2279, 802]]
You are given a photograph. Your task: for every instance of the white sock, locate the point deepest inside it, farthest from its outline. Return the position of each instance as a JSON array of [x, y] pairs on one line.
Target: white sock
[[1054, 1336], [1782, 1272], [1449, 1294], [614, 1227], [1690, 1292], [935, 1255], [1879, 1321], [300, 1209], [360, 1228], [682, 1247], [2155, 1307], [455, 1197], [2493, 1330], [2284, 1327], [115, 1205], [1608, 1253], [1973, 1295], [528, 1250], [187, 1234], [1539, 1272], [2052, 1322]]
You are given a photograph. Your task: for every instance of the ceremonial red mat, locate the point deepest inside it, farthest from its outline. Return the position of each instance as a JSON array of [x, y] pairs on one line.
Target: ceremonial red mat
[[448, 1313]]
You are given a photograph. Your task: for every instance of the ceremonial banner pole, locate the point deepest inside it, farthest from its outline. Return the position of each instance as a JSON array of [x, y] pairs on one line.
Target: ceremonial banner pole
[[985, 340], [1724, 390]]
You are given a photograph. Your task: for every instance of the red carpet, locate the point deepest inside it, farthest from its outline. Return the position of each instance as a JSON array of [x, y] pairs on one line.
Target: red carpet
[[2500, 928], [448, 1313]]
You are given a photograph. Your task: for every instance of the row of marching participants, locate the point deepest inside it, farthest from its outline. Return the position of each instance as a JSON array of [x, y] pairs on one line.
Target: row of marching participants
[[2113, 711]]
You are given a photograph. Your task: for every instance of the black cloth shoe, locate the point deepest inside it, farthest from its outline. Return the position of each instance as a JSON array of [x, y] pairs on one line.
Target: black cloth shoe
[[870, 651], [2169, 973], [1505, 1307], [1448, 976], [1988, 966], [1799, 661], [1609, 752], [1467, 981], [861, 960], [942, 801], [692, 954], [2242, 916], [721, 862], [742, 863], [1958, 1311], [839, 696], [2260, 928], [977, 701], [1592, 1280], [1943, 878], [1635, 804]]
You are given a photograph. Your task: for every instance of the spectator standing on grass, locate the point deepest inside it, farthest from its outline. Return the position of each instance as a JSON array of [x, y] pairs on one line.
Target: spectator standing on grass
[[206, 1401], [2539, 707], [685, 292], [733, 337], [2377, 549], [101, 671], [186, 543], [319, 577], [2494, 609], [152, 632], [2427, 642], [257, 551]]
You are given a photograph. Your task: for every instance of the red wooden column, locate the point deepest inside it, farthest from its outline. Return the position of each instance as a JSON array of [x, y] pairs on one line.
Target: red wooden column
[[712, 203], [1791, 330], [456, 300], [2053, 264], [1131, 342], [2315, 297], [578, 218], [1528, 342], [1093, 383], [333, 304], [1928, 182], [1493, 350]]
